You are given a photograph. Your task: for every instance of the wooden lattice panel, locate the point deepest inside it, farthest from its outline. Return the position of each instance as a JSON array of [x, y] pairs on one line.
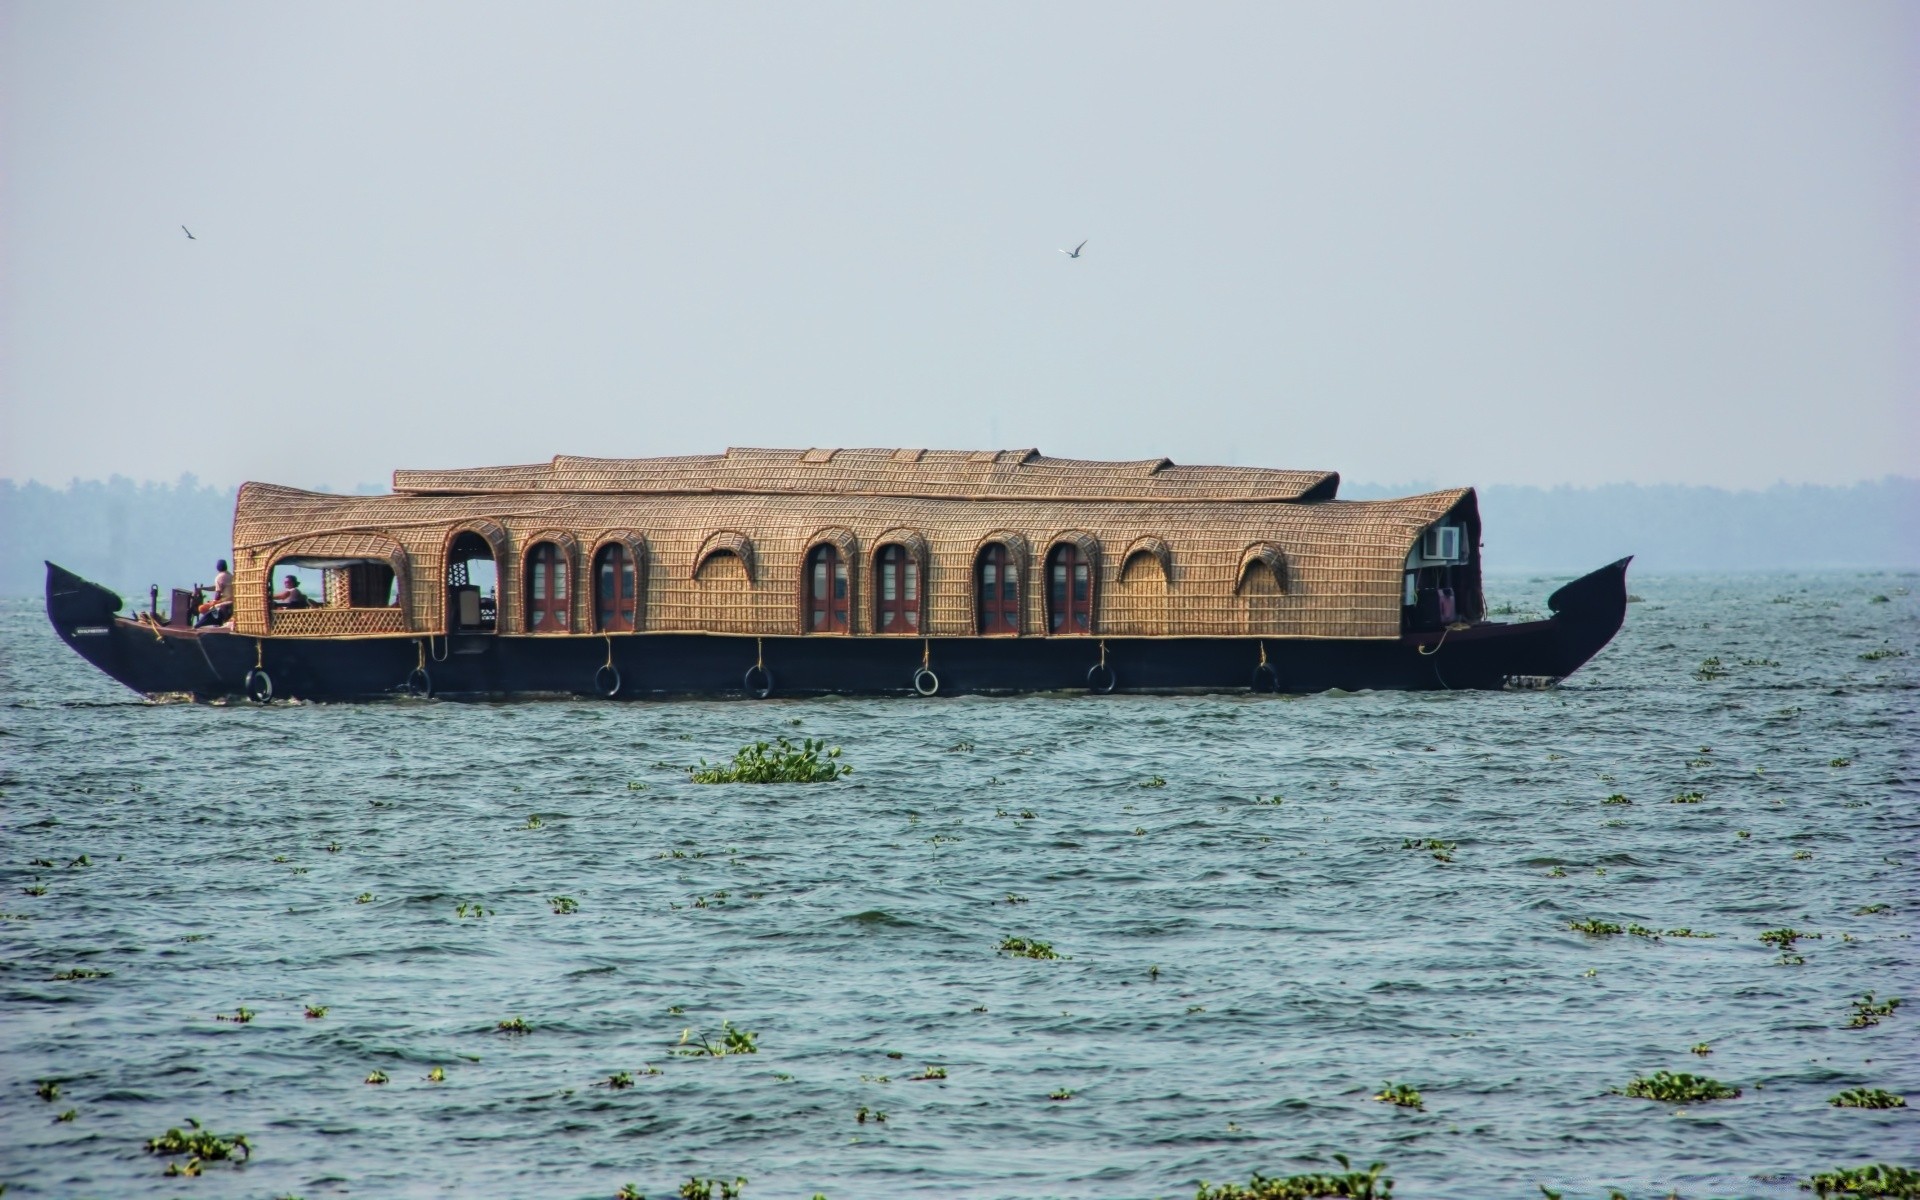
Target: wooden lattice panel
[[337, 622]]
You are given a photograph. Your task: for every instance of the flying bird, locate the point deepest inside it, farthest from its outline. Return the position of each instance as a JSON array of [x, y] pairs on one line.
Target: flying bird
[[1073, 253], [189, 233]]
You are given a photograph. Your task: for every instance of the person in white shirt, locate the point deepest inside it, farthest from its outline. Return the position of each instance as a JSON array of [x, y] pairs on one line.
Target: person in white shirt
[[217, 610]]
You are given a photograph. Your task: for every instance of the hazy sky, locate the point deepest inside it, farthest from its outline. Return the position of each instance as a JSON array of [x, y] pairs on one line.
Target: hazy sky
[[1470, 243]]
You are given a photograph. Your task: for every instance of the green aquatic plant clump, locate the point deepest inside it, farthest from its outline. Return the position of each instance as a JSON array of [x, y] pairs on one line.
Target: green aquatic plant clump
[[1784, 939], [1680, 1088], [1595, 928], [696, 1188], [1867, 1098], [1867, 1014], [1405, 1095], [778, 761], [1347, 1184], [200, 1145], [732, 1041], [1442, 851], [1872, 1181], [1028, 948]]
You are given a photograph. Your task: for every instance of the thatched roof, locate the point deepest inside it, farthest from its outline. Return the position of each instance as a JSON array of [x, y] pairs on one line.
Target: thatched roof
[[925, 474]]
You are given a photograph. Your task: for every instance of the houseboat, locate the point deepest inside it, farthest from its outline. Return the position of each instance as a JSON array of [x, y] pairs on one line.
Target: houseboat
[[852, 571]]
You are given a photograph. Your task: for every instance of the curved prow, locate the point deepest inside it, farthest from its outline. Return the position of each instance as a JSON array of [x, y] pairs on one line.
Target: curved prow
[[1598, 596], [73, 601]]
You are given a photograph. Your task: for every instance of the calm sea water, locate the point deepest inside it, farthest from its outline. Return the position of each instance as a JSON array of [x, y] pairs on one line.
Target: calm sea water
[[1242, 975]]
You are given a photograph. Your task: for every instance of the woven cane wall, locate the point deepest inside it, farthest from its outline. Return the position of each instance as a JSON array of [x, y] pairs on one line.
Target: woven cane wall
[[1343, 559]]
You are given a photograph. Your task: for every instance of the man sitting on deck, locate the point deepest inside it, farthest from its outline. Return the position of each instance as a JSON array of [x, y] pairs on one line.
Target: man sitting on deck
[[217, 610], [290, 595]]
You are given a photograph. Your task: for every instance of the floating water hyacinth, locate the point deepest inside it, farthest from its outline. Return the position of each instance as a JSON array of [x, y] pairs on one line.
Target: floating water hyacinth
[[732, 1041], [47, 1089], [1060, 1094], [1027, 948], [712, 1189], [80, 973], [563, 905], [1443, 851], [376, 1076], [865, 1114], [1595, 928], [1882, 1181], [200, 1145], [1679, 1088], [241, 1016], [317, 1011], [513, 1025], [779, 761], [1867, 1098], [1369, 1184], [1866, 1013], [1403, 1095]]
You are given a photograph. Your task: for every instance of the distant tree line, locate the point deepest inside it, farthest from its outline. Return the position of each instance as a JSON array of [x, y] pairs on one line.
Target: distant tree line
[[128, 535]]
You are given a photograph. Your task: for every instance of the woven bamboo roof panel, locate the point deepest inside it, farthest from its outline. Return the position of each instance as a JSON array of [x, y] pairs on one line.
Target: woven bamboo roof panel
[[926, 474], [1343, 560]]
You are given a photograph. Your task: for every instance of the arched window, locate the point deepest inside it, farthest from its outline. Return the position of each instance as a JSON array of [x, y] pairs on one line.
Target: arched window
[[997, 581], [897, 599], [826, 591], [1069, 591], [547, 602], [615, 589]]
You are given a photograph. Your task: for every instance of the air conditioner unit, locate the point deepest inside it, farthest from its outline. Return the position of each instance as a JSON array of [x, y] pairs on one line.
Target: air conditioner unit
[[1443, 543]]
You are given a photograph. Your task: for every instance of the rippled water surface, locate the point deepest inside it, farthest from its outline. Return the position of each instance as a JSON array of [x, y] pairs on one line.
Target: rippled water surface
[[1242, 973]]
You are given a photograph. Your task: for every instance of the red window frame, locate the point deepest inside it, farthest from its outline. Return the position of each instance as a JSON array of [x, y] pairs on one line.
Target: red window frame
[[547, 592], [1069, 591], [996, 580], [616, 589], [896, 593], [827, 591]]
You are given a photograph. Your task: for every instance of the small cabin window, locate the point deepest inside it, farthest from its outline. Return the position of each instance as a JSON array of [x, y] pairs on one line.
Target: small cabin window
[[997, 581], [1069, 591], [826, 591], [1443, 544], [547, 601], [616, 589], [897, 600]]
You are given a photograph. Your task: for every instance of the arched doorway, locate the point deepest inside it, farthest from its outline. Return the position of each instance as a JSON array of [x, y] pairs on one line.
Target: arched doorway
[[473, 585]]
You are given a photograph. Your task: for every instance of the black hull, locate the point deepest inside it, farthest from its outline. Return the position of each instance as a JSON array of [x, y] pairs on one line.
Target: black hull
[[215, 664]]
